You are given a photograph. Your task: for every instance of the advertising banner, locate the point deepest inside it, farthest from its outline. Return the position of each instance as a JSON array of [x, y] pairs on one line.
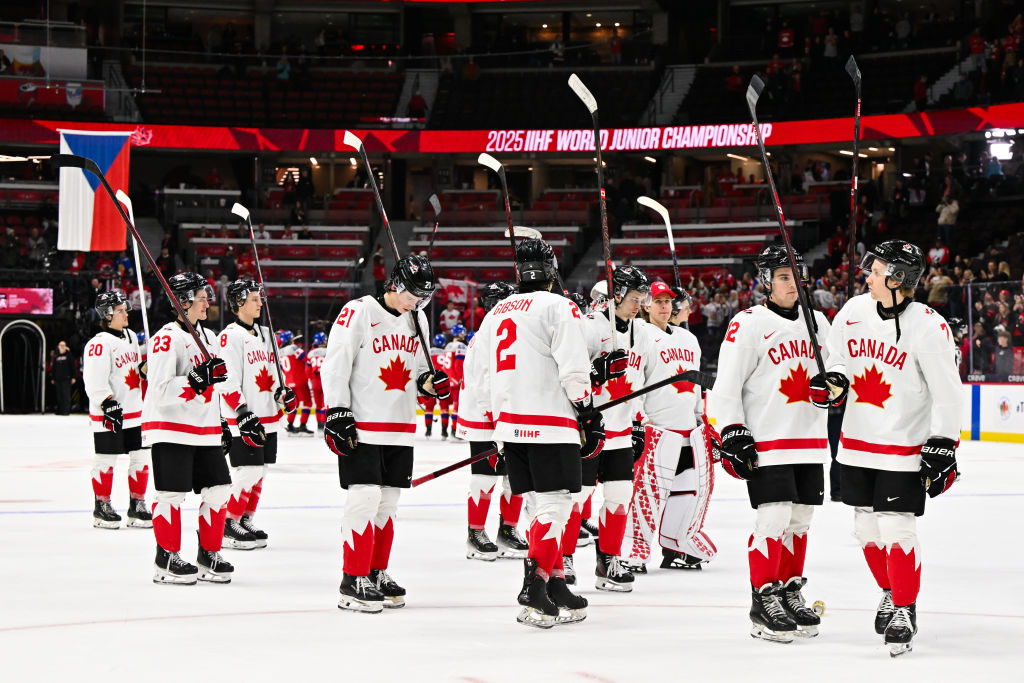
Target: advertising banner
[[26, 301]]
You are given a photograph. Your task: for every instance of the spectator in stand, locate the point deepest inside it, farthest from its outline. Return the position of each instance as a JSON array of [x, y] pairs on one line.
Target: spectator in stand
[[284, 68], [450, 316], [963, 91], [287, 233], [734, 81], [9, 249], [63, 376], [304, 191], [246, 266], [716, 312], [856, 27], [921, 93], [305, 234], [938, 285], [837, 246], [228, 264], [417, 106], [831, 46], [166, 262], [261, 232], [948, 210], [213, 179], [616, 47], [976, 48], [901, 31], [471, 71], [475, 313], [222, 233], [1002, 355], [786, 39], [939, 254], [379, 273], [37, 248], [775, 68], [298, 214]]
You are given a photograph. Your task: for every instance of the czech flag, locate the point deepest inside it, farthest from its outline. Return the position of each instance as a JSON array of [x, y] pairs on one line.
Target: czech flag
[[88, 220]]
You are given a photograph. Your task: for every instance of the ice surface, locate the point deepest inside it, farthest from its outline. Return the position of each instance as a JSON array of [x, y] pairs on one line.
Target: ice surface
[[79, 602]]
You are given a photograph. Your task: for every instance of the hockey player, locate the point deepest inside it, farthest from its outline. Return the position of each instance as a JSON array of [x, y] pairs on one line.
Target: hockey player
[[613, 468], [455, 352], [293, 364], [143, 367], [314, 361], [251, 402], [776, 440], [181, 421], [477, 427], [680, 409], [112, 371], [901, 427], [538, 391], [370, 378], [428, 401]]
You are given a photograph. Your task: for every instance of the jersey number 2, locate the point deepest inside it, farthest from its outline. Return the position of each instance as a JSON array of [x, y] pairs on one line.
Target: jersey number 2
[[508, 362]]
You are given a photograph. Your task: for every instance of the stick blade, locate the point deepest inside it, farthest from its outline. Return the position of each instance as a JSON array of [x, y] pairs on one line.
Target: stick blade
[[490, 162], [240, 211], [754, 91], [524, 233], [583, 93], [853, 69], [352, 140], [67, 161], [435, 204], [654, 206]]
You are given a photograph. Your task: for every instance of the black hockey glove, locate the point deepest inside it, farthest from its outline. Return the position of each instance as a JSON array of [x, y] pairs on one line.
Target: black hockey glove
[[340, 431], [435, 385], [113, 416], [286, 397], [142, 369], [206, 374], [639, 434], [822, 389], [609, 366], [225, 436], [739, 454], [251, 429], [588, 418], [938, 465]]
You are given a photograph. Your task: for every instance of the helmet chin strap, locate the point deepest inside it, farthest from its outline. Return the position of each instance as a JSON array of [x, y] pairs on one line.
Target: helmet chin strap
[[896, 317]]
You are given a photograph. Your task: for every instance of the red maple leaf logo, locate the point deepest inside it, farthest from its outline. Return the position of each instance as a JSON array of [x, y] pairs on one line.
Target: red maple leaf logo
[[133, 379], [264, 382], [395, 375], [796, 387], [871, 387], [232, 398], [682, 386], [618, 387], [188, 394]]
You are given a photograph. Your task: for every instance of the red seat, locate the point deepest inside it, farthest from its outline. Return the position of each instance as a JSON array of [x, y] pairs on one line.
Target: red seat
[[747, 248], [332, 273], [295, 251], [297, 273], [497, 273], [338, 252], [211, 250], [468, 253], [708, 250], [457, 273]]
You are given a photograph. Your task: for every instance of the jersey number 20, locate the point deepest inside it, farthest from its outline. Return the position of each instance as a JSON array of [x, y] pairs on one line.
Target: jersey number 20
[[507, 336]]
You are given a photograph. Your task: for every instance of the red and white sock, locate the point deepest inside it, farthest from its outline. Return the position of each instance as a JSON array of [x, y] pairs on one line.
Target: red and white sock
[[904, 569], [383, 538], [357, 550], [138, 480], [571, 535], [763, 555], [211, 526], [544, 546], [511, 506], [481, 487], [254, 497], [878, 564], [167, 521], [611, 528], [794, 550], [102, 482]]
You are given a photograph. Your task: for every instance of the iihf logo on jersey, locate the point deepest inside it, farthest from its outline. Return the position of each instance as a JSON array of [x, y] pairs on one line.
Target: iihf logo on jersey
[[526, 433]]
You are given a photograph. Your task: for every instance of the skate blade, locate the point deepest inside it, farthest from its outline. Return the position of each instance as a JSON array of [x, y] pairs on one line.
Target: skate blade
[[213, 577], [506, 553], [584, 542], [682, 566], [570, 616], [172, 580], [806, 631], [635, 568], [395, 602], [474, 554], [897, 649], [533, 617], [135, 523], [239, 545], [354, 605], [612, 586], [765, 633], [102, 524]]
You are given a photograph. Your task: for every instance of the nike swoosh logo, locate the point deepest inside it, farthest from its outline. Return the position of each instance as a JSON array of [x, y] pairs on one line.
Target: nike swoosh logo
[[768, 335], [891, 499], [605, 339], [821, 493], [852, 322], [374, 324]]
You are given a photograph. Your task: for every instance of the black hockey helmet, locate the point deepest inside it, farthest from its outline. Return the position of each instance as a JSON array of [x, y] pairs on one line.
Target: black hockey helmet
[[580, 300], [681, 297], [904, 262], [627, 279], [493, 292], [108, 301], [186, 284], [773, 257], [535, 261], [958, 326], [238, 290], [415, 275]]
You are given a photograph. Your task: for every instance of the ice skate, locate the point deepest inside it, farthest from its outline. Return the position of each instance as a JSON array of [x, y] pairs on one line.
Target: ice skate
[[611, 575], [511, 544], [236, 537], [104, 517], [444, 432], [428, 430], [394, 595], [884, 613], [258, 534], [171, 569], [303, 430], [138, 516], [899, 634], [590, 528], [569, 570], [634, 567], [212, 567], [792, 600], [572, 608], [290, 428], [768, 618], [480, 547], [358, 594], [538, 609], [670, 559], [584, 538]]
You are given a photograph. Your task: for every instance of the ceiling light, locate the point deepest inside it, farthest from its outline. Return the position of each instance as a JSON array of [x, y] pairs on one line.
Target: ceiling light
[[543, 25], [846, 152], [312, 160], [872, 149], [737, 156], [617, 24], [598, 24], [892, 149], [352, 160], [651, 159]]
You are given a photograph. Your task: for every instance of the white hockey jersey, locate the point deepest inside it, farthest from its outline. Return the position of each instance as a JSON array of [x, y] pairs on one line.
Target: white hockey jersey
[[679, 406], [252, 375], [537, 366], [638, 341], [901, 394], [476, 421], [110, 367], [373, 360], [172, 411], [764, 369]]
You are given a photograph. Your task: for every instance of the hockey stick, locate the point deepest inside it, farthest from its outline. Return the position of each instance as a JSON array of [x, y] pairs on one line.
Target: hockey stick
[[86, 164], [490, 162], [588, 99], [851, 251], [353, 141], [663, 212], [754, 91], [435, 203], [243, 213], [124, 199], [695, 376]]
